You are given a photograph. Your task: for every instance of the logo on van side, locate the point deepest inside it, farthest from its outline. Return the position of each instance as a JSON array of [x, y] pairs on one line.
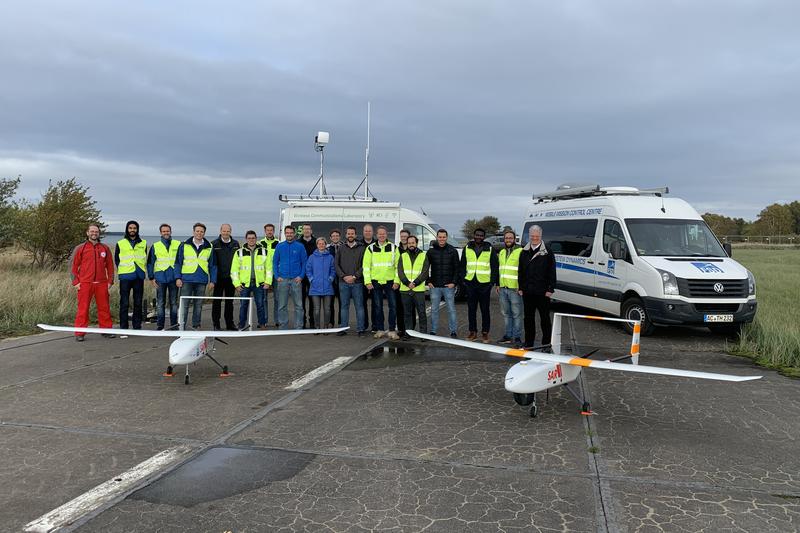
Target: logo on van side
[[708, 268]]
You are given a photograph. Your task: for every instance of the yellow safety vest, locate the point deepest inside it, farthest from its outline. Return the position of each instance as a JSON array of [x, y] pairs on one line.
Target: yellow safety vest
[[132, 256], [479, 266], [165, 259], [509, 267], [412, 271], [191, 260], [240, 266], [380, 263]]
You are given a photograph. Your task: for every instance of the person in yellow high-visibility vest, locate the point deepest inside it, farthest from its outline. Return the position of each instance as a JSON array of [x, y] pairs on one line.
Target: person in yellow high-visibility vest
[[161, 270], [412, 272], [130, 256], [508, 289], [251, 275], [270, 242], [195, 269], [380, 265], [479, 270]]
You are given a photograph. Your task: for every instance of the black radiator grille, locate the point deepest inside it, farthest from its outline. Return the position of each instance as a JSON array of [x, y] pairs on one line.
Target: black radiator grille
[[704, 288]]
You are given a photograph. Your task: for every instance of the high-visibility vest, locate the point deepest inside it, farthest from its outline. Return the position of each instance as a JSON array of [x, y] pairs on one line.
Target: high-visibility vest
[[132, 256], [241, 274], [478, 266], [412, 271], [191, 260], [380, 263], [509, 267], [165, 259]]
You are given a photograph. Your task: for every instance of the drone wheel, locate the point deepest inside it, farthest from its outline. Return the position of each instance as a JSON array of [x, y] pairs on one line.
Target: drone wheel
[[534, 411], [186, 380], [586, 407], [524, 399]]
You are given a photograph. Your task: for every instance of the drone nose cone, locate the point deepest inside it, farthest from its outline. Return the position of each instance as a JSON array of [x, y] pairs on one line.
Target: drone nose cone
[[526, 377], [186, 350]]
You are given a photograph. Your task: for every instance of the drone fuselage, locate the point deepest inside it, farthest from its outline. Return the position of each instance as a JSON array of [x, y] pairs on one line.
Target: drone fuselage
[[530, 376], [187, 350]]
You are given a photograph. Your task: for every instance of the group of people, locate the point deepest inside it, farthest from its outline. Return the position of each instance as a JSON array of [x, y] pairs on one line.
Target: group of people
[[321, 276]]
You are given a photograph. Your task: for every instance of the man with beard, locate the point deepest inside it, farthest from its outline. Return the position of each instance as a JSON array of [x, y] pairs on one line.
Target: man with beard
[[161, 270], [269, 242], [350, 271], [309, 242], [480, 271], [367, 240], [92, 270], [130, 256]]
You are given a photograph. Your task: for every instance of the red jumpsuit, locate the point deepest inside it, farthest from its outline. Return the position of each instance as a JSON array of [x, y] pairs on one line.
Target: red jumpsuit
[[93, 268]]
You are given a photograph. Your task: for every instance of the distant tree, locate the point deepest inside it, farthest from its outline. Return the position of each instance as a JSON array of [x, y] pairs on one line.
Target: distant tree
[[50, 229], [775, 219], [741, 226], [489, 223], [507, 228], [721, 225], [794, 207], [8, 211]]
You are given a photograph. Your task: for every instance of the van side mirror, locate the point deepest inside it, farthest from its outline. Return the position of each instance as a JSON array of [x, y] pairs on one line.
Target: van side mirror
[[728, 249], [617, 251]]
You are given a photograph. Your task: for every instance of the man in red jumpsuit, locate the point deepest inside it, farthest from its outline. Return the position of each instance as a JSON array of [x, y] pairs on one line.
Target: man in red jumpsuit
[[92, 274]]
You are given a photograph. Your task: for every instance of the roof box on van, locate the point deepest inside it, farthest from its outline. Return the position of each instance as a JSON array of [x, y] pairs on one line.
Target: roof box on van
[[568, 191]]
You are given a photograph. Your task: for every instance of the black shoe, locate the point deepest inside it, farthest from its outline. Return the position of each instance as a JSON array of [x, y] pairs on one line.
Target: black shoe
[[454, 335], [232, 328], [217, 327], [341, 334], [109, 335], [504, 340], [362, 333], [79, 338], [432, 333]]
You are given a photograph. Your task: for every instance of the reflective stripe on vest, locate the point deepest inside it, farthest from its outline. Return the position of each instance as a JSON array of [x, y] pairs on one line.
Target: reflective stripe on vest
[[412, 271], [509, 267], [241, 274], [191, 260], [132, 256], [379, 265], [165, 259], [478, 265]]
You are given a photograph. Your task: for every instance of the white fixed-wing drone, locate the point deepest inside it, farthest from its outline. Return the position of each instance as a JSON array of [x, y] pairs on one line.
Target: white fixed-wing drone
[[540, 372], [191, 345]]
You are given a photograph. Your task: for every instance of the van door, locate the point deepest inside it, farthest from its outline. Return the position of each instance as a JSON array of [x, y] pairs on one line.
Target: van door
[[612, 273]]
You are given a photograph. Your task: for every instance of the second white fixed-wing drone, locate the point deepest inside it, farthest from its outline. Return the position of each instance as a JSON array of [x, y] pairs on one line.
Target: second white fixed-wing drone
[[191, 345], [540, 372]]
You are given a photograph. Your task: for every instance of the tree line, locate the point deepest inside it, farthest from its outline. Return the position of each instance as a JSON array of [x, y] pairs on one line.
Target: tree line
[[47, 229], [775, 219]]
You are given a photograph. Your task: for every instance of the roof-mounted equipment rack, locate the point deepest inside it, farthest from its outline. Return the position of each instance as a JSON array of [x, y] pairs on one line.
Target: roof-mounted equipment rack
[[569, 191]]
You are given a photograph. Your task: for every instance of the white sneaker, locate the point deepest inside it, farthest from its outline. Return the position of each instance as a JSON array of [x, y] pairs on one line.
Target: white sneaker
[[378, 334]]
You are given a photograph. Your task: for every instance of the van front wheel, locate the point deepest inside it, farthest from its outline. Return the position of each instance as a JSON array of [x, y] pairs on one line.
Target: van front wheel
[[633, 309]]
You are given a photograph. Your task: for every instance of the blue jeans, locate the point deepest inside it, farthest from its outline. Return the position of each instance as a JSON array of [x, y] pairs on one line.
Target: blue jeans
[[193, 289], [258, 293], [286, 288], [166, 293], [379, 292], [511, 307], [355, 292], [449, 296]]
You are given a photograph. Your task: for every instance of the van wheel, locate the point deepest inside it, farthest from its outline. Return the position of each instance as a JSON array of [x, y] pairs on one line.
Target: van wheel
[[633, 309]]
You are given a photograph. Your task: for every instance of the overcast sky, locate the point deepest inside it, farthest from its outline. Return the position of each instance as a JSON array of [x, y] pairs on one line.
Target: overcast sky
[[183, 111]]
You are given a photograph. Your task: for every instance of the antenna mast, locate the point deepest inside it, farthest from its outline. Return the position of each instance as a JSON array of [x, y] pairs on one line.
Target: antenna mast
[[320, 140], [365, 181]]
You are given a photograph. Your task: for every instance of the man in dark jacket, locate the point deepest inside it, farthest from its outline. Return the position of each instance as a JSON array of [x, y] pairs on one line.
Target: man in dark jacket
[[480, 272], [444, 261], [537, 282], [335, 242], [401, 315], [130, 256], [349, 263], [224, 247], [309, 242], [368, 239]]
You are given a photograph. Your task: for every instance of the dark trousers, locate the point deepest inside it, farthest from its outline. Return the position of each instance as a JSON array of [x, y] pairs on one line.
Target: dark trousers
[[125, 287], [334, 304], [369, 309], [533, 303], [223, 287], [414, 306], [308, 306], [479, 294], [401, 316]]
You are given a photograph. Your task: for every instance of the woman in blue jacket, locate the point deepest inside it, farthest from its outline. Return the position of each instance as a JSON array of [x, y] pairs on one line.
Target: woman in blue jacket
[[321, 273]]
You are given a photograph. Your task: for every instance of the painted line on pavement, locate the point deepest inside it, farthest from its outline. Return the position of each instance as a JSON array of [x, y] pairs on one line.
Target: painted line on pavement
[[317, 372], [114, 488]]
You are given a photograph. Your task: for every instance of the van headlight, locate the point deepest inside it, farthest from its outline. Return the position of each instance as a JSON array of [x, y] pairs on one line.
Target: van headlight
[[751, 284], [670, 283]]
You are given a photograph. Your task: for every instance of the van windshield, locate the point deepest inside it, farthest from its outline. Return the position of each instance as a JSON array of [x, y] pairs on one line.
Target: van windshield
[[673, 237]]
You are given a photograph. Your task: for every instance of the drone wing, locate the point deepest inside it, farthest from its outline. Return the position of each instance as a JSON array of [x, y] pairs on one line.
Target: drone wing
[[582, 361], [190, 332]]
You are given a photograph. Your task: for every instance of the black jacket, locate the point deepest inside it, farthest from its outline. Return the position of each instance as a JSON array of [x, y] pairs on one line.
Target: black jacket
[[444, 264], [537, 275], [495, 266], [223, 256], [310, 246]]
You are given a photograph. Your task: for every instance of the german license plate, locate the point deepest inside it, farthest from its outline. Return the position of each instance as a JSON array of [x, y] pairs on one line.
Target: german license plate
[[717, 318]]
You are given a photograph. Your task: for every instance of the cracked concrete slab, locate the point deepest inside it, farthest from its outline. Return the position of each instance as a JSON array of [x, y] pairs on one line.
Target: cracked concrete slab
[[347, 494]]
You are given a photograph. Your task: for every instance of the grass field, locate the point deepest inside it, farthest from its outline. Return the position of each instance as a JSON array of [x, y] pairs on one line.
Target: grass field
[[773, 339], [29, 295]]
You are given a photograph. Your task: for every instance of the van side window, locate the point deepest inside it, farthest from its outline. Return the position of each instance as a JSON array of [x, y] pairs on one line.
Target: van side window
[[423, 234], [612, 232], [566, 237]]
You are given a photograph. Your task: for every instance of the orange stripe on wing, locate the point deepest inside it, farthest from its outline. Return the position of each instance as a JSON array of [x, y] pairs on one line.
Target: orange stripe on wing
[[516, 353], [592, 317], [580, 361]]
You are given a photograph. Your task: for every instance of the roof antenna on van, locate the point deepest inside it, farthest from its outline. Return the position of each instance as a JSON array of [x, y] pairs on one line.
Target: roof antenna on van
[[365, 181]]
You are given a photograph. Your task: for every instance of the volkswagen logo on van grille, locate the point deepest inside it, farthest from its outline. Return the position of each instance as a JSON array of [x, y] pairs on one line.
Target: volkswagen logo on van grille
[[719, 288]]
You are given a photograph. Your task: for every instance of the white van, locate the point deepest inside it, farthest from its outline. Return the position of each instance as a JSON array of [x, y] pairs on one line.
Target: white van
[[636, 254], [328, 213]]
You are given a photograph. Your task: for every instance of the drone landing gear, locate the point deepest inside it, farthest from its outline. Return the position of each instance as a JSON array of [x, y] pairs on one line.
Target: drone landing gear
[[169, 373], [224, 373], [586, 407], [186, 379]]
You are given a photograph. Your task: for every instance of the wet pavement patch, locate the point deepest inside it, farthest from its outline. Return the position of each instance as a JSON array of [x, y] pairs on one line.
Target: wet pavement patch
[[222, 472]]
